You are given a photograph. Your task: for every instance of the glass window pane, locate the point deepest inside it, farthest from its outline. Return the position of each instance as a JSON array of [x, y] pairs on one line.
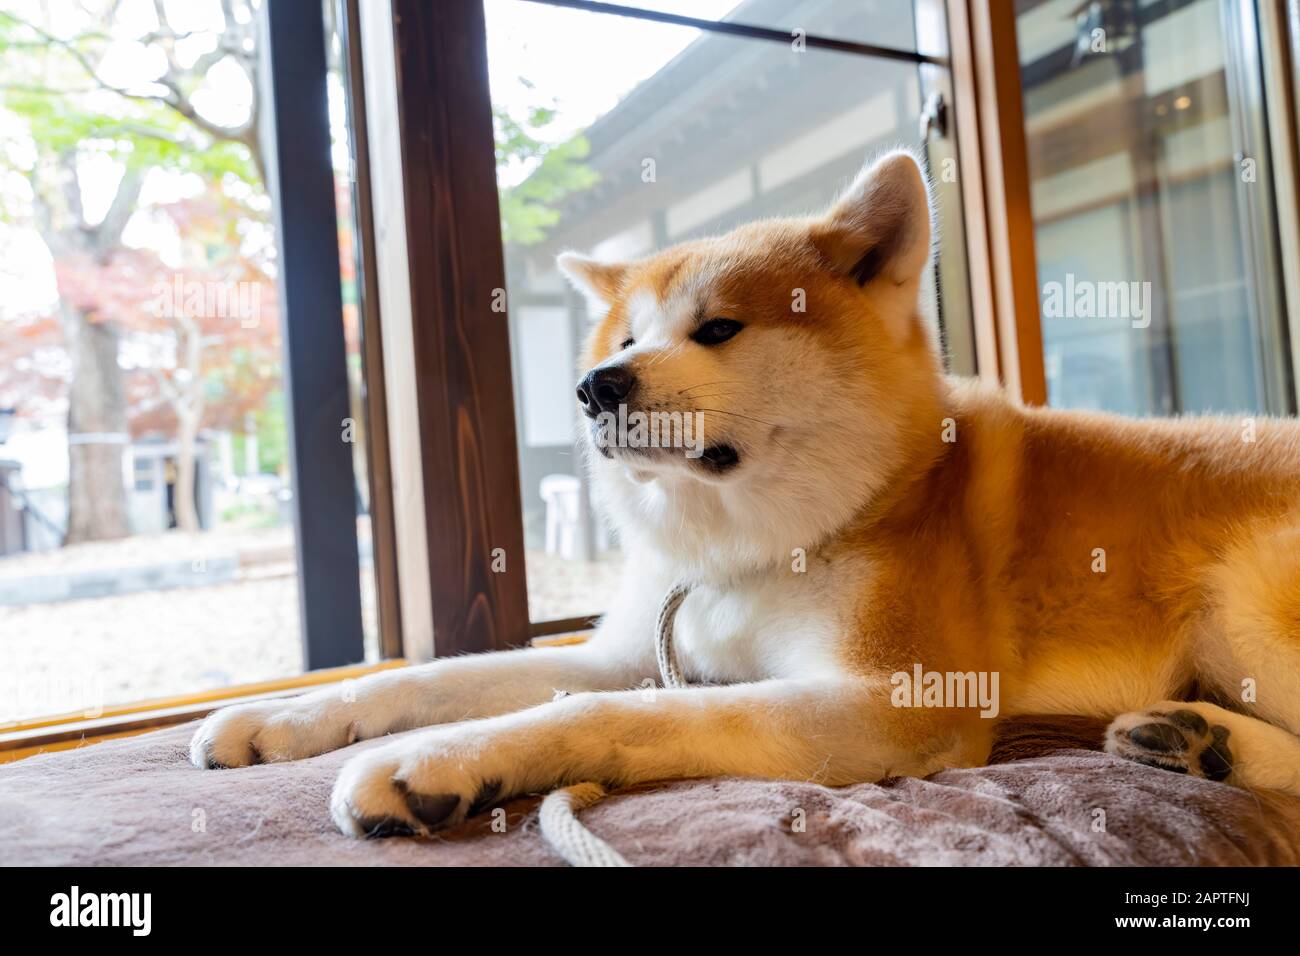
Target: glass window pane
[[886, 23], [1152, 203], [619, 137], [147, 546]]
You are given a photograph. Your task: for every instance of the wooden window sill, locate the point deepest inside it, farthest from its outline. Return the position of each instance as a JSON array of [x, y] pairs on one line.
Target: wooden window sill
[[68, 731]]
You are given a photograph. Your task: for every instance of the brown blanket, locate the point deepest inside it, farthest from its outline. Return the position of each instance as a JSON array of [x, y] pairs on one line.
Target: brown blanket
[[1045, 801]]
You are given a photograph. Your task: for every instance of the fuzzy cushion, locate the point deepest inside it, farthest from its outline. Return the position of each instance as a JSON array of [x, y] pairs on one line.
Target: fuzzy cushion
[[1049, 798]]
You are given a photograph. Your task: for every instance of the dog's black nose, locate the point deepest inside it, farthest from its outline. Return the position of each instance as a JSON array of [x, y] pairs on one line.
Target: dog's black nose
[[604, 389]]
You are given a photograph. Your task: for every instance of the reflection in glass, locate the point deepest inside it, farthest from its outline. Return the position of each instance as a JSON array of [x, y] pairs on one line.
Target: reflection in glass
[[1150, 181]]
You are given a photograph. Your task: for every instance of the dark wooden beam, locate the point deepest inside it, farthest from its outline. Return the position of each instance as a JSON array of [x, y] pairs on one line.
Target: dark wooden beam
[[461, 346], [300, 179]]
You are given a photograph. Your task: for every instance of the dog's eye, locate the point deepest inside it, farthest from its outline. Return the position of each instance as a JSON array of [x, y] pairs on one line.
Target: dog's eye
[[716, 331], [627, 343]]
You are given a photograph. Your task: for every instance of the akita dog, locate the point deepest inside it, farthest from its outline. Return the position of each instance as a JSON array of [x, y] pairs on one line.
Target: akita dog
[[853, 518]]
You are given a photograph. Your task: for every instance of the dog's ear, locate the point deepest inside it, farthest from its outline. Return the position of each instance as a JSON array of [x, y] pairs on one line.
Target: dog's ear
[[600, 282], [880, 227]]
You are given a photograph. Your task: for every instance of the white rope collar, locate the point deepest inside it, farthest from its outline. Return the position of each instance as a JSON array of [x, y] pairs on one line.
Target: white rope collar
[[559, 812]]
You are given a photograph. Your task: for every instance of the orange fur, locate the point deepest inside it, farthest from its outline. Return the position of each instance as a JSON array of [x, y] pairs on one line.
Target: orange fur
[[979, 553]]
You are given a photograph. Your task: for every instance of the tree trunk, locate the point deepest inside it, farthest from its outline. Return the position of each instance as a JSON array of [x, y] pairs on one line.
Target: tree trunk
[[97, 432], [97, 421], [188, 405], [187, 512]]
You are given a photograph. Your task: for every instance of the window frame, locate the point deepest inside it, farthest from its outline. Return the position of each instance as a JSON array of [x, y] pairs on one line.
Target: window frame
[[296, 134], [383, 519], [1279, 31], [996, 197]]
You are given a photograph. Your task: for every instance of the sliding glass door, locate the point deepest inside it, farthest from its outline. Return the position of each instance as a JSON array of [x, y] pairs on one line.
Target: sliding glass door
[[1152, 183]]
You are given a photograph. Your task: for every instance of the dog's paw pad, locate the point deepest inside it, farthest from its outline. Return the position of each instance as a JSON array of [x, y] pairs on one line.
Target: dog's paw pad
[[1216, 760], [432, 809], [379, 828], [486, 796], [1181, 741], [416, 786], [1162, 738]]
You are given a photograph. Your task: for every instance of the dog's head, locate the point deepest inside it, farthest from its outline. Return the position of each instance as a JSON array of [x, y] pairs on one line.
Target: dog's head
[[746, 394]]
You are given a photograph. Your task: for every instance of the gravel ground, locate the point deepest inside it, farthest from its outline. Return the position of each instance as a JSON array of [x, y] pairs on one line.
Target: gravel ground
[[80, 655], [113, 650], [171, 547], [559, 589]]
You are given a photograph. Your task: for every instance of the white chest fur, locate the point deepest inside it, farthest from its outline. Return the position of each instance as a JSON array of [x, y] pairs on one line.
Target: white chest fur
[[777, 625]]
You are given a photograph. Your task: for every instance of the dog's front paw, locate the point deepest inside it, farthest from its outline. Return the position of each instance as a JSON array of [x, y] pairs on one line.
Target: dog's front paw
[[1173, 738], [426, 783], [269, 731]]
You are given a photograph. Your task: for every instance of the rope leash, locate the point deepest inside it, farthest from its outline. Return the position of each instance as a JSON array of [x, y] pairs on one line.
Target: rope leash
[[559, 812], [569, 838], [669, 670]]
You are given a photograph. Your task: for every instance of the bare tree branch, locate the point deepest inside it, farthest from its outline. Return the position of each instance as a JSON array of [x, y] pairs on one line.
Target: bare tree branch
[[43, 90], [179, 82], [109, 232], [165, 385]]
